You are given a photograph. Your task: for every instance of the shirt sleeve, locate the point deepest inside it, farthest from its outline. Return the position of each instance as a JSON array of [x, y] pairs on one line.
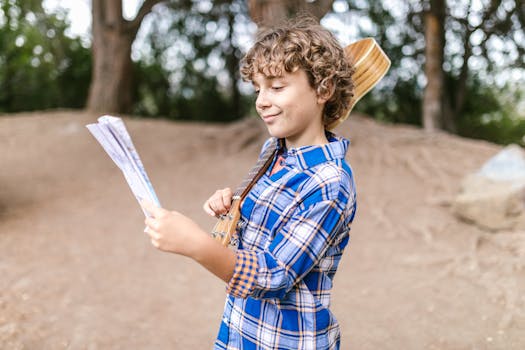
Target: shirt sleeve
[[295, 250], [243, 280]]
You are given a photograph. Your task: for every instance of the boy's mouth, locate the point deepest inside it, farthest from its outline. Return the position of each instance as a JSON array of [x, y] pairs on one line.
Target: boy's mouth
[[270, 117]]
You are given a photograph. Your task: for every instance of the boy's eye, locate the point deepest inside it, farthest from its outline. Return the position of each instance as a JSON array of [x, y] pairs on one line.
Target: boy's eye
[[277, 87], [256, 91]]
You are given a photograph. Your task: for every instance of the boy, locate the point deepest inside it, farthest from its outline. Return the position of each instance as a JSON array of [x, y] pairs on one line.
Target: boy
[[297, 216]]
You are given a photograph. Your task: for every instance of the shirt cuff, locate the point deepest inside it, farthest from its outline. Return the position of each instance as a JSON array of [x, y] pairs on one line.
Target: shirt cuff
[[244, 276]]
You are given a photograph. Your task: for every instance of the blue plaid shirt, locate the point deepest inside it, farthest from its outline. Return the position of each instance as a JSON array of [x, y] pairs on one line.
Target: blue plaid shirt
[[296, 225]]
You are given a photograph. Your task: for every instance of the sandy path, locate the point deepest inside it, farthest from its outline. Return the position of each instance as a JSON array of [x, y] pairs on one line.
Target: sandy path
[[77, 272]]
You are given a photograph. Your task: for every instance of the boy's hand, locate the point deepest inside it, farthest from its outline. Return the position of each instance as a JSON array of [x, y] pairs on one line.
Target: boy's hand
[[171, 231], [219, 203]]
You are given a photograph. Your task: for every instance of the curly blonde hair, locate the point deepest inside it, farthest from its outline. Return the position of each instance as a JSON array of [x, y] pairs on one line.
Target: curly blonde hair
[[304, 44]]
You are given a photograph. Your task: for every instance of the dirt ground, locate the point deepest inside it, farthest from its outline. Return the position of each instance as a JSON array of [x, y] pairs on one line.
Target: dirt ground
[[77, 272]]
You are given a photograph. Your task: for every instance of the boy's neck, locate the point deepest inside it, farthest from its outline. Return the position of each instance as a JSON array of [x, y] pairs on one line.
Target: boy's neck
[[315, 140]]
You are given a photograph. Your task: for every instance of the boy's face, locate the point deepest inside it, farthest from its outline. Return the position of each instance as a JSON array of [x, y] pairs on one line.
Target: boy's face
[[290, 108]]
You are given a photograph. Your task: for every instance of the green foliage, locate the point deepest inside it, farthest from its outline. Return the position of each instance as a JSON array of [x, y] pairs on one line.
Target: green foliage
[[502, 128], [399, 104], [492, 115], [151, 89], [201, 97], [487, 34], [397, 99], [207, 103], [40, 66], [190, 71]]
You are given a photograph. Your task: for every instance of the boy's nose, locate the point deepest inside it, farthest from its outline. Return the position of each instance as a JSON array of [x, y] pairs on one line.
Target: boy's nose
[[262, 101]]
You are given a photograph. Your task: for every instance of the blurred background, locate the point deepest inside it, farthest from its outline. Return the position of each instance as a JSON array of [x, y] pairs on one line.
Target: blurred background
[[76, 270], [457, 66]]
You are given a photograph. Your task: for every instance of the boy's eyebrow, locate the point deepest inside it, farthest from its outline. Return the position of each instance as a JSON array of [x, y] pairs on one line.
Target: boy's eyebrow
[[268, 77]]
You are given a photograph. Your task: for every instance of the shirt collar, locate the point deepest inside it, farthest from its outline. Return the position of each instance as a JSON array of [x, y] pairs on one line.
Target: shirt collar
[[310, 156]]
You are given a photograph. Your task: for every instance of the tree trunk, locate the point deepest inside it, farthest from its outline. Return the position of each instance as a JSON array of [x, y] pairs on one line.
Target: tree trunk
[[433, 95], [461, 86], [271, 12], [111, 81], [232, 64]]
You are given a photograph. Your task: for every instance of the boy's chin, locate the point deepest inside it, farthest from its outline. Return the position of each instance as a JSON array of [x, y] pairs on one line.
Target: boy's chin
[[276, 133]]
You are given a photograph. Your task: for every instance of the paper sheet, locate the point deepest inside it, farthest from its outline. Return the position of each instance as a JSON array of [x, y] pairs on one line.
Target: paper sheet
[[112, 135]]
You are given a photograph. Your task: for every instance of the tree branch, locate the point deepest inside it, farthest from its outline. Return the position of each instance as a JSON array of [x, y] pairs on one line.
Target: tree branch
[[134, 25]]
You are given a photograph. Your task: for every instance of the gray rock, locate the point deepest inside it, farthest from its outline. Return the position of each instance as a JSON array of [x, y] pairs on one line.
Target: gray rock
[[494, 197]]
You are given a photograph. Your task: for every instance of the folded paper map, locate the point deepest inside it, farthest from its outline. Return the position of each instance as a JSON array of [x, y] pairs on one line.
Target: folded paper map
[[112, 135]]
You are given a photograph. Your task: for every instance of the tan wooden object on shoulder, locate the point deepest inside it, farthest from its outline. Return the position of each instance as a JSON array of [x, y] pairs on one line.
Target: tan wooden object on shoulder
[[370, 64]]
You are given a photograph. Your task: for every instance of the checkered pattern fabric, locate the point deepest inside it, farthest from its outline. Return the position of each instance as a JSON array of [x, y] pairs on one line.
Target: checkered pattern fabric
[[296, 224]]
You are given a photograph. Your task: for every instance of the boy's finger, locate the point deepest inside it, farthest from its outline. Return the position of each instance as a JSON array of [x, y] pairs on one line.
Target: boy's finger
[[154, 243], [208, 210], [219, 207], [150, 207], [151, 224], [153, 235], [226, 200]]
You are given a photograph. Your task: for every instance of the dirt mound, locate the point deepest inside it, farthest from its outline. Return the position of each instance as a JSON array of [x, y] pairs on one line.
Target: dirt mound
[[78, 273]]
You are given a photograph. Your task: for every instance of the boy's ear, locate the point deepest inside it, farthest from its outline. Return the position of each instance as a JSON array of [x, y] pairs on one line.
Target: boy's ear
[[324, 95]]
